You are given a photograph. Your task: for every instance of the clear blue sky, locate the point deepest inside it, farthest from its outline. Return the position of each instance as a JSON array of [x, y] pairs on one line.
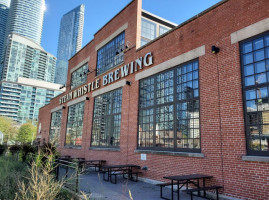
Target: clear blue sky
[[99, 12]]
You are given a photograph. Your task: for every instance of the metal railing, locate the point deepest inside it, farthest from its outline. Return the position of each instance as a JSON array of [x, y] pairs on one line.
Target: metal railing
[[68, 172]]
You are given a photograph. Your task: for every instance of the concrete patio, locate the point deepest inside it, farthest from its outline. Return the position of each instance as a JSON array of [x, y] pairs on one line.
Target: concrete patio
[[99, 189]]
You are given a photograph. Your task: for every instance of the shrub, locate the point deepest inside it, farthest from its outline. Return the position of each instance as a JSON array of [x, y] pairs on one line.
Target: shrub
[[41, 183], [2, 149], [11, 171], [14, 149], [27, 150]]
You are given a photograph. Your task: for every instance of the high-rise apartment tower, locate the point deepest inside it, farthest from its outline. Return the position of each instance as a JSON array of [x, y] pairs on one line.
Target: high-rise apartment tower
[[26, 18], [4, 8], [70, 40]]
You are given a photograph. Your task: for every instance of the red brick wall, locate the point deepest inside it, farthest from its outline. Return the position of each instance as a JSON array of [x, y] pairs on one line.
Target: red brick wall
[[221, 107]]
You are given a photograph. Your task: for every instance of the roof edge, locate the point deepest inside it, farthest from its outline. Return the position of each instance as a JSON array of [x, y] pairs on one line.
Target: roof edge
[[184, 23]]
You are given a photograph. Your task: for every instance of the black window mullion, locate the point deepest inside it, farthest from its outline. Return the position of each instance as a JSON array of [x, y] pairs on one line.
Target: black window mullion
[[175, 108], [154, 112]]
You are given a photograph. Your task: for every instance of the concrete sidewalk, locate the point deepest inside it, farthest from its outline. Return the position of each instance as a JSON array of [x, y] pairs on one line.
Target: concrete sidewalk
[[99, 189]]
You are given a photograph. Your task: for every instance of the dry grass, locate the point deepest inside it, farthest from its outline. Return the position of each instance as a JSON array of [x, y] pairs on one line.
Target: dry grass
[[40, 184]]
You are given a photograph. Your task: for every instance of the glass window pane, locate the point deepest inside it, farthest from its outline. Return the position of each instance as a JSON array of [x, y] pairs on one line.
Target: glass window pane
[[247, 47], [248, 58], [260, 78], [249, 81], [255, 144], [258, 55], [249, 70], [251, 106], [250, 94], [257, 44], [260, 67]]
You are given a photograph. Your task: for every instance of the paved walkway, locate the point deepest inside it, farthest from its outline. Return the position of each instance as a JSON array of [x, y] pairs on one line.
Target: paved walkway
[[102, 190]]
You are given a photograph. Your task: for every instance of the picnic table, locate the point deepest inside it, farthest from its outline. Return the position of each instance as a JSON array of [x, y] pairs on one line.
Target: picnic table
[[93, 163], [114, 170], [186, 180]]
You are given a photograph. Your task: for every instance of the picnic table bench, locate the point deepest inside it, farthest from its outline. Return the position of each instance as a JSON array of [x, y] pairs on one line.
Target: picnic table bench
[[186, 180], [214, 187]]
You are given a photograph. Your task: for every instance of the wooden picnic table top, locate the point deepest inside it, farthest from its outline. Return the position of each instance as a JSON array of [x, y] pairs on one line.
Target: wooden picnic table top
[[94, 160], [121, 166], [187, 177]]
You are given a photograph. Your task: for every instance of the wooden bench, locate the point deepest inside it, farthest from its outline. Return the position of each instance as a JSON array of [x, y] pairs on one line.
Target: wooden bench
[[214, 187]]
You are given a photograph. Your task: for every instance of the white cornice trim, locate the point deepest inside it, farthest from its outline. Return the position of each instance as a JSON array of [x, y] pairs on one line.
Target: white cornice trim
[[249, 31], [56, 109], [78, 100], [190, 55], [117, 32], [80, 64], [109, 88]]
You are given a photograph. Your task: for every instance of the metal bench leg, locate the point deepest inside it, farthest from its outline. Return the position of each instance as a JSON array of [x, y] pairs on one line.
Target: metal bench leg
[[111, 179], [191, 196], [217, 192]]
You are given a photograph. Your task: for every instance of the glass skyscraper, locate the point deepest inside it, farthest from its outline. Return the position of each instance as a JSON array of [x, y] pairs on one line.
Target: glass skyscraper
[[27, 79], [26, 18], [25, 58], [4, 8], [70, 41]]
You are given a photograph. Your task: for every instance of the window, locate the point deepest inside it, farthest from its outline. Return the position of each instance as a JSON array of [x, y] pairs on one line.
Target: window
[[79, 76], [148, 31], [111, 54], [75, 125], [169, 110], [163, 30], [255, 73], [55, 126], [107, 120]]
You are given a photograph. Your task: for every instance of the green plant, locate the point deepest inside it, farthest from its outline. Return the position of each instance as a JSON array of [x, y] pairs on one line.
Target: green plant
[[2, 149], [11, 171], [41, 183], [27, 133], [14, 149], [28, 150]]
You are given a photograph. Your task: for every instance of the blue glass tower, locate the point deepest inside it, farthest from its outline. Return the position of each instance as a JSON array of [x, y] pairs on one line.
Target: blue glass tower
[[26, 18], [4, 8], [70, 41]]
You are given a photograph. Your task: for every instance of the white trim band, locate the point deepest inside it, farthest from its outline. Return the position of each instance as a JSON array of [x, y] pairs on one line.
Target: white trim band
[[117, 32], [190, 55], [109, 88], [80, 64], [250, 31], [78, 100], [56, 109]]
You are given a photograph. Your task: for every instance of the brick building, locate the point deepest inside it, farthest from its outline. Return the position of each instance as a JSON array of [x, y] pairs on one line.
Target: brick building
[[192, 100]]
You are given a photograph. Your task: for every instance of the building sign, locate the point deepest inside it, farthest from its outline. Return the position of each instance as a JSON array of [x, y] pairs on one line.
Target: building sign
[[143, 156], [117, 74]]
